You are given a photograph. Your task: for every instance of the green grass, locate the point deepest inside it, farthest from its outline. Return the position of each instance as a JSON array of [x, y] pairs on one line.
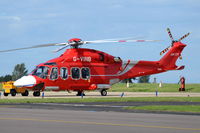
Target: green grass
[[169, 108], [149, 87], [84, 100], [184, 108]]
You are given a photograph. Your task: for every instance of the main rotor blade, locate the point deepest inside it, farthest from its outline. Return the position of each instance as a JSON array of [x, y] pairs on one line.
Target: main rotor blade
[[119, 41], [184, 36], [36, 46], [124, 38], [61, 48], [170, 34]]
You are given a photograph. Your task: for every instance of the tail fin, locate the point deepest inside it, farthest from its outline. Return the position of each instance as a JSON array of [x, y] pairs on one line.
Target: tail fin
[[168, 61]]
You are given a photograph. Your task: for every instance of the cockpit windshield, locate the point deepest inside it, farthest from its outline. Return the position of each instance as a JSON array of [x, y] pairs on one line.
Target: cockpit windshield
[[41, 71]]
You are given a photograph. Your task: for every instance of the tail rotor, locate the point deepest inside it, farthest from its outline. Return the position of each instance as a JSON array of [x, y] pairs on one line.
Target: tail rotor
[[173, 41]]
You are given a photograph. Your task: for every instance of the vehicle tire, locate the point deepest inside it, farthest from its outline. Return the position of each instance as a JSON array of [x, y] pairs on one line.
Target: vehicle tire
[[13, 92], [26, 93], [36, 93], [104, 92], [5, 94]]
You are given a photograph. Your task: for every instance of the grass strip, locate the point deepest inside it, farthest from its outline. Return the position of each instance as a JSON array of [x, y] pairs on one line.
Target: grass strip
[[149, 87], [103, 99], [169, 108]]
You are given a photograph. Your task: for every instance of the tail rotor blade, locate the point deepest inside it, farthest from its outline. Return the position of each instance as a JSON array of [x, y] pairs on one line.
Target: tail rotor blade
[[184, 36], [170, 34], [165, 50]]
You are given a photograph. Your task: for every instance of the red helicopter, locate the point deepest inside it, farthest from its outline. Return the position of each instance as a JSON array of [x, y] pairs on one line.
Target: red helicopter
[[79, 69]]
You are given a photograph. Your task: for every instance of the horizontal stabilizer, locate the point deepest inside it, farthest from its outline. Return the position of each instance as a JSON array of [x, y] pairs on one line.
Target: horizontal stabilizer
[[180, 67]]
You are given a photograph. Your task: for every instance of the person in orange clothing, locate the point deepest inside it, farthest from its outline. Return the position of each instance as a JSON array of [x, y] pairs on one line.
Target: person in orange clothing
[[182, 81]]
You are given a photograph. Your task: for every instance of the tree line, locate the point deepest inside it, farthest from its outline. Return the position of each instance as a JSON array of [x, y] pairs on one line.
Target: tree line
[[19, 71], [142, 79]]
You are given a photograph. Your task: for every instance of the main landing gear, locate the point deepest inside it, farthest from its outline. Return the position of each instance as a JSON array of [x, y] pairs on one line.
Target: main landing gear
[[103, 92]]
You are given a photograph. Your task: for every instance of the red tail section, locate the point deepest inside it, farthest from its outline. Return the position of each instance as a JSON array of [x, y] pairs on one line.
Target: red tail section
[[168, 61]]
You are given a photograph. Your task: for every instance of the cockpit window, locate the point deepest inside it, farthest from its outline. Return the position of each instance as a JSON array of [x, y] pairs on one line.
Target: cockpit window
[[41, 71], [54, 73], [51, 64]]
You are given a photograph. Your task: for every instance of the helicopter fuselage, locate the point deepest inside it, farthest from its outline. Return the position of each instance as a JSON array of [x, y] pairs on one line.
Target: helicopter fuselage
[[80, 69]]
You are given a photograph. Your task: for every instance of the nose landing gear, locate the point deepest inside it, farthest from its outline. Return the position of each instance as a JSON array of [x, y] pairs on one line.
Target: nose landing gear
[[37, 89], [36, 93]]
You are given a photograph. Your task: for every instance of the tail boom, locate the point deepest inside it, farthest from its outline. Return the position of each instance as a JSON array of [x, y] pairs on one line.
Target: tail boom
[[166, 63]]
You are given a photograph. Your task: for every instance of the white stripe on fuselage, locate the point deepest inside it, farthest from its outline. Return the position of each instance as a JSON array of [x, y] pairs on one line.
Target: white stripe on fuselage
[[126, 65]]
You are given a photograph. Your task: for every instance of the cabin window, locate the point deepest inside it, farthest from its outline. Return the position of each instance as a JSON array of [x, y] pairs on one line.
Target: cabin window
[[64, 73], [41, 71], [85, 73], [75, 71], [54, 73]]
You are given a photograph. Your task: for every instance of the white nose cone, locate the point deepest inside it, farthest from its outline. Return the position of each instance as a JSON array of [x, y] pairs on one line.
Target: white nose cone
[[25, 81]]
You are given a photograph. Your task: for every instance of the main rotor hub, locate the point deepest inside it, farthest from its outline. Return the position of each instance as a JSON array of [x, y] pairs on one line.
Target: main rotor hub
[[75, 42]]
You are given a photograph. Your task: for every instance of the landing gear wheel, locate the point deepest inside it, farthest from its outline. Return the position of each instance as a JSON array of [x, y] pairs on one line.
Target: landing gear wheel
[[5, 94], [104, 92], [80, 93], [13, 92], [26, 93], [36, 93]]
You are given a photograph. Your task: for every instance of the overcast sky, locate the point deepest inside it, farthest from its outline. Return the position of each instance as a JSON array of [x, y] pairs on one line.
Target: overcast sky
[[25, 23]]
